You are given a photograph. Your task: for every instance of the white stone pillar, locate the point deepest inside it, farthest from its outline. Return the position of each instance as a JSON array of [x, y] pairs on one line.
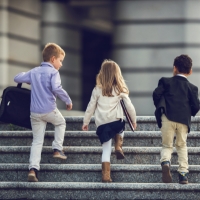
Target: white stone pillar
[[19, 38], [148, 35], [61, 25], [3, 44]]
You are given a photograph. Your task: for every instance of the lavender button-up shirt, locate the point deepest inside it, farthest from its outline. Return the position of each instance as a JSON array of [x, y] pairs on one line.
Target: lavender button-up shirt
[[45, 87]]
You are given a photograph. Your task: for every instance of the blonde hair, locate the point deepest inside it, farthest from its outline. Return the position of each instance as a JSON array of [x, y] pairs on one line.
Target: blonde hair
[[109, 78], [50, 50]]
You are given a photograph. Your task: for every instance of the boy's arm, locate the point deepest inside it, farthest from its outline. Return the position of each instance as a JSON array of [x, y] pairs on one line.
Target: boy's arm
[[23, 77], [194, 102], [158, 92], [58, 90]]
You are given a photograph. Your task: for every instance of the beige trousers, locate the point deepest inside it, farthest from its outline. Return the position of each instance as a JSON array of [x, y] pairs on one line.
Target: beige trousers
[[38, 123], [169, 129]]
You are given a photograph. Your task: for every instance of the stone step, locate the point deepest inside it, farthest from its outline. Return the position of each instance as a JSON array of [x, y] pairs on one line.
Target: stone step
[[98, 191], [92, 155], [145, 123], [89, 138], [121, 173]]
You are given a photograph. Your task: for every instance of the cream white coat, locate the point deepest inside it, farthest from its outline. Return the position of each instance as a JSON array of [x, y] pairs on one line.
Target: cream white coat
[[107, 109]]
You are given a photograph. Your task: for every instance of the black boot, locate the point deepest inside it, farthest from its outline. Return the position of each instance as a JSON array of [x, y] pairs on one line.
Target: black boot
[[183, 179]]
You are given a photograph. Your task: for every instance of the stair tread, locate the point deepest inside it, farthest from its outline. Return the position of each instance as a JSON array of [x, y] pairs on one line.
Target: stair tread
[[99, 186], [192, 134], [139, 118], [94, 167], [92, 149]]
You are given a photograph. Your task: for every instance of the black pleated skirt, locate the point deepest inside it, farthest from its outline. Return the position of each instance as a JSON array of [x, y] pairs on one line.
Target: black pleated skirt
[[107, 131]]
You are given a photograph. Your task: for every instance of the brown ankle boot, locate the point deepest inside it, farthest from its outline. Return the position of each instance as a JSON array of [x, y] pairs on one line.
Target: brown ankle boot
[[106, 172], [118, 147]]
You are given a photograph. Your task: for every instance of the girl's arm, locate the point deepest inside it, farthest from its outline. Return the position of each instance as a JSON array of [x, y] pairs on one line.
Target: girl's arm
[[90, 109]]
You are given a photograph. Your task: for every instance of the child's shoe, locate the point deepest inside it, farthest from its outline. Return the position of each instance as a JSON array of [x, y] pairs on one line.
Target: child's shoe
[[32, 175], [183, 178], [118, 147], [166, 175], [59, 154], [106, 172]]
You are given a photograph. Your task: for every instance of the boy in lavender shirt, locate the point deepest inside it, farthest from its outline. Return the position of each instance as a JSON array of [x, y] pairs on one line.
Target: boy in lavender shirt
[[45, 87]]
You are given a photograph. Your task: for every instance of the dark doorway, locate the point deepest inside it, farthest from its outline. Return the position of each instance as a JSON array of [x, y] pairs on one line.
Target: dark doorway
[[95, 48]]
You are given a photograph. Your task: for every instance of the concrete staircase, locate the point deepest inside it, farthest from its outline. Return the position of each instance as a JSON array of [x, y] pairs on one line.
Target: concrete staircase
[[79, 177]]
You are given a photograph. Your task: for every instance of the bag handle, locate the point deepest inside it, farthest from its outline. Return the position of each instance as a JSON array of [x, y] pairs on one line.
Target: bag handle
[[19, 85]]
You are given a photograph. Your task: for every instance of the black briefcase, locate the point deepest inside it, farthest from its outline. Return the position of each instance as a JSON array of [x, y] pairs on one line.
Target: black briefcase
[[15, 106]]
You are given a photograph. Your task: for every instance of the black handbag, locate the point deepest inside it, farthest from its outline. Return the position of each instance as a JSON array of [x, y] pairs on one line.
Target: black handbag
[[15, 106]]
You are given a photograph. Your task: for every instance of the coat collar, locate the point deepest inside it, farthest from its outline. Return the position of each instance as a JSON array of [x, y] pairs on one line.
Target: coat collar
[[181, 78], [46, 64]]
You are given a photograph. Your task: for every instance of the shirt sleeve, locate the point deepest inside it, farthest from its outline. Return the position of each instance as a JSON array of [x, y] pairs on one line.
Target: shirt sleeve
[[23, 77], [194, 102], [58, 90], [91, 107]]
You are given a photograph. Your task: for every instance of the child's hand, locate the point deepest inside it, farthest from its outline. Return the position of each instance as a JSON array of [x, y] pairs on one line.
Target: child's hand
[[69, 107], [134, 125], [85, 127]]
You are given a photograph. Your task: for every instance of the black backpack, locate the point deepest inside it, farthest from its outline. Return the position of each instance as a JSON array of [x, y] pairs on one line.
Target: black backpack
[[15, 106]]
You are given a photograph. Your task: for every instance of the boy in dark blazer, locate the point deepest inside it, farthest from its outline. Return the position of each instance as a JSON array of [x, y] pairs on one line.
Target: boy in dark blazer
[[176, 100]]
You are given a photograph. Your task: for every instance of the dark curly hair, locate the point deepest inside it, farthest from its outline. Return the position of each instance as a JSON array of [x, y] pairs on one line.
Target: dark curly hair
[[183, 63]]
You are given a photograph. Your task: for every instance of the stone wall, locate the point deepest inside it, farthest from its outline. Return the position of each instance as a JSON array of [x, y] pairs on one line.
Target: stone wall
[[19, 38], [148, 35], [60, 24]]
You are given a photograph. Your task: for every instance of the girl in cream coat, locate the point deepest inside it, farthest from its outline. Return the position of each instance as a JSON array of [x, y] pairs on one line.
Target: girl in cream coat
[[105, 106]]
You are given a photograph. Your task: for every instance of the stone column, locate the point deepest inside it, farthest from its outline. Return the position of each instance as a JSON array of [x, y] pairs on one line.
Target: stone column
[[19, 38], [148, 35], [3, 45], [61, 25]]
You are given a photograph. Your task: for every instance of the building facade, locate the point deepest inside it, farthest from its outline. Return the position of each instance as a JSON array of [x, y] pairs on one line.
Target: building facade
[[143, 37]]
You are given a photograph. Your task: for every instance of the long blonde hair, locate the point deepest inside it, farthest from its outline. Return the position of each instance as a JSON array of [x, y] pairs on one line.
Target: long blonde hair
[[109, 78]]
